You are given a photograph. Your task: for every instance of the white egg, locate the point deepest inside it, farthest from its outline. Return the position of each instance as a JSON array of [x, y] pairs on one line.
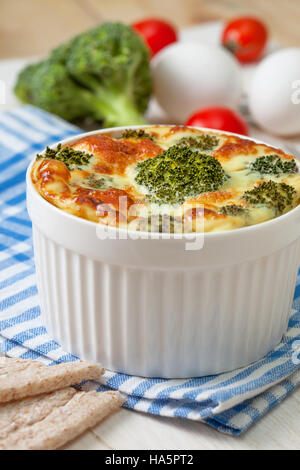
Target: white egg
[[189, 76], [275, 93]]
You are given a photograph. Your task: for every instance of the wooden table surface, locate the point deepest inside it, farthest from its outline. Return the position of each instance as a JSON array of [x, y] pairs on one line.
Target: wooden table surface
[[29, 27]]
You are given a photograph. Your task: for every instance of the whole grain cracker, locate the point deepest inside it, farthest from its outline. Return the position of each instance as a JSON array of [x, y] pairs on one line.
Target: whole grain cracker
[[24, 378], [21, 413], [83, 411]]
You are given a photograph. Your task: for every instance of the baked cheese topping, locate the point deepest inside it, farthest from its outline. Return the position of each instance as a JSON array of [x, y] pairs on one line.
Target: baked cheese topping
[[169, 179]]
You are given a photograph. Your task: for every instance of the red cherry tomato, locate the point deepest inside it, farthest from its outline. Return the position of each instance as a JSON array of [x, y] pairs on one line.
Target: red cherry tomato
[[246, 37], [156, 33], [223, 119]]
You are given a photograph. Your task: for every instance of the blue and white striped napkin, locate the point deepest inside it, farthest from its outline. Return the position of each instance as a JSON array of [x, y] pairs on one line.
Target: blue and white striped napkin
[[230, 402]]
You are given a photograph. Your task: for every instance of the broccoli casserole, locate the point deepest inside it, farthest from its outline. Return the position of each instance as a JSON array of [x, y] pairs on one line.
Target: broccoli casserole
[[169, 179]]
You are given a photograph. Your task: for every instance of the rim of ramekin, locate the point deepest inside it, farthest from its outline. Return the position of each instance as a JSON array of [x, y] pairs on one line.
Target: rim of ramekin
[[159, 235]]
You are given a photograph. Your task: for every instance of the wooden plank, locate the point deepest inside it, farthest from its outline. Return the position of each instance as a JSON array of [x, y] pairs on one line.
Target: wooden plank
[[88, 441], [29, 27], [279, 429]]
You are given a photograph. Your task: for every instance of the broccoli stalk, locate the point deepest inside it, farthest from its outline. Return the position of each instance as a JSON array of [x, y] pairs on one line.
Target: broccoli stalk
[[115, 109]]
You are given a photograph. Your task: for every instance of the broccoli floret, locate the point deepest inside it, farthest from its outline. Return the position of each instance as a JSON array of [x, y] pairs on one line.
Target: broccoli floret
[[73, 159], [179, 173], [103, 73], [200, 142], [61, 53], [136, 134], [277, 196], [55, 91], [273, 165], [233, 209], [112, 62], [23, 87]]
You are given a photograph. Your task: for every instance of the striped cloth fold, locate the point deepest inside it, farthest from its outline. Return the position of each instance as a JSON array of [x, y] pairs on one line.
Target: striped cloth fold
[[229, 402]]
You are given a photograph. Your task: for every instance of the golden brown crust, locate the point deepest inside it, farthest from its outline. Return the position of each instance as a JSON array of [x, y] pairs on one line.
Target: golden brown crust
[[113, 156], [235, 146], [214, 197]]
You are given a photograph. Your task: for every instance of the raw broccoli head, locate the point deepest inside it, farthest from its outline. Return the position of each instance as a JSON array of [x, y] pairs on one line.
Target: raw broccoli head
[[277, 196], [112, 61], [61, 53], [55, 91], [23, 88], [179, 173], [273, 165], [103, 73]]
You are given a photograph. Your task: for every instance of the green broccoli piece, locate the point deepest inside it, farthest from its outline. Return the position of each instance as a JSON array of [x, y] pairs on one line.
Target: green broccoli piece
[[61, 53], [103, 74], [273, 165], [73, 159], [23, 87], [179, 173], [203, 142], [54, 90], [277, 196], [136, 134], [233, 209], [112, 62]]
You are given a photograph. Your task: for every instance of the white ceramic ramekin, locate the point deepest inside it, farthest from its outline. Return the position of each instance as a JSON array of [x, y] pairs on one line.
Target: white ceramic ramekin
[[149, 307]]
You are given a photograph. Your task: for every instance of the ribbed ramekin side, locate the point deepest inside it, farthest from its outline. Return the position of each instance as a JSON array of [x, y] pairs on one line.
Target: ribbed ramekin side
[[167, 323], [42, 273]]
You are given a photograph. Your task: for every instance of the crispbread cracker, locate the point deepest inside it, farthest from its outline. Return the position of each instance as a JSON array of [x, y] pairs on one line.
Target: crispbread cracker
[[83, 411], [17, 414], [23, 378]]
